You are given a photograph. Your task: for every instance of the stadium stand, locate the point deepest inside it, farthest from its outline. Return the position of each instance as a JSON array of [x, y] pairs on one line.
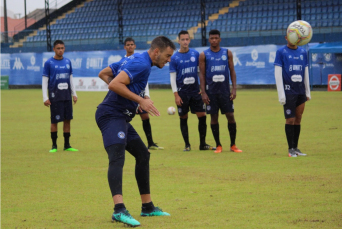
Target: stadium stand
[[92, 25]]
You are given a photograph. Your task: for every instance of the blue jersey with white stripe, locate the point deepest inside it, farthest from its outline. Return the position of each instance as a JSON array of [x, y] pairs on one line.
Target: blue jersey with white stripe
[[217, 71], [293, 63], [138, 70], [58, 72], [186, 67]]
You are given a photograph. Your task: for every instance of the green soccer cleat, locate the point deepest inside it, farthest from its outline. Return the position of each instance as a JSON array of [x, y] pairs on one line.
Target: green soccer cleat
[[155, 147], [125, 218], [156, 212], [53, 150], [70, 149]]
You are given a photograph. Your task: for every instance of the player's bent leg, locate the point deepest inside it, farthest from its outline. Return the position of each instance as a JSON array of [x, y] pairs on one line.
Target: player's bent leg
[[137, 149], [116, 157]]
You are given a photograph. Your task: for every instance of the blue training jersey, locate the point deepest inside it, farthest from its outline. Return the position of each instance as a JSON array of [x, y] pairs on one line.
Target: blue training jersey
[[117, 65], [293, 63], [138, 70], [58, 72], [186, 67], [217, 71]]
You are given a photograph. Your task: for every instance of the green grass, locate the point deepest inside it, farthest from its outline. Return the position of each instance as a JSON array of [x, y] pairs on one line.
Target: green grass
[[259, 188]]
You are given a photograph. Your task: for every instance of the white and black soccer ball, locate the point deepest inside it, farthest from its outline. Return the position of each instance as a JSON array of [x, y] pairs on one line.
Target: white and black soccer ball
[[171, 110], [299, 32]]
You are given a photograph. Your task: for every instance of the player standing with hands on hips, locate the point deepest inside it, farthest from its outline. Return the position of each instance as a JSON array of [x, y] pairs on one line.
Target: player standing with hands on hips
[[292, 79], [57, 79], [113, 118], [216, 65], [184, 83]]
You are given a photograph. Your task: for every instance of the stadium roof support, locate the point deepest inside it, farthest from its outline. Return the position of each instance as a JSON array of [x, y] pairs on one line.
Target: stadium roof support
[[203, 26], [48, 30]]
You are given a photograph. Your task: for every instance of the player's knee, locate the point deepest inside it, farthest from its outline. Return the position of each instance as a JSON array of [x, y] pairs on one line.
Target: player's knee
[[138, 150], [116, 155]]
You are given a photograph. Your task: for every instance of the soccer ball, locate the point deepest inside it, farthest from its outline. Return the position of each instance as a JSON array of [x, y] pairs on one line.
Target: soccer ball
[[299, 33], [171, 110]]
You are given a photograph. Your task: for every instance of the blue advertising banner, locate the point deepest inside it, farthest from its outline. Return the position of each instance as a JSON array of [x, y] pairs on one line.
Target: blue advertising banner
[[253, 65]]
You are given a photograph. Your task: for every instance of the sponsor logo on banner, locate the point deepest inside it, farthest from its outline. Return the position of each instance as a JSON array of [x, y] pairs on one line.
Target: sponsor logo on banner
[[17, 64], [271, 57], [94, 63], [314, 57], [76, 63], [338, 57], [113, 59], [93, 85], [5, 64], [334, 82], [33, 67], [80, 85], [104, 86], [236, 59], [255, 63], [327, 56]]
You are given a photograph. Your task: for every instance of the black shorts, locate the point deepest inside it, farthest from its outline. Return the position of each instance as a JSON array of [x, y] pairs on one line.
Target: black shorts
[[292, 102], [139, 112], [220, 101], [60, 111], [194, 102]]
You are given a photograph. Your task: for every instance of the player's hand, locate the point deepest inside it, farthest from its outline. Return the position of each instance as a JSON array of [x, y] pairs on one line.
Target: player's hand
[[146, 97], [233, 94], [205, 98], [147, 105], [178, 100], [139, 109], [74, 98], [47, 103], [282, 101], [308, 98]]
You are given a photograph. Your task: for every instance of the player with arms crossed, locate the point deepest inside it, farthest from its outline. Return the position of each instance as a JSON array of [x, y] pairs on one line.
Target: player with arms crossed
[[292, 79], [57, 79], [185, 87], [129, 46], [113, 116], [216, 65]]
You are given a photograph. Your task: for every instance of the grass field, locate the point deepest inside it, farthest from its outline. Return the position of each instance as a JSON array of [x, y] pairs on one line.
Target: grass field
[[259, 188]]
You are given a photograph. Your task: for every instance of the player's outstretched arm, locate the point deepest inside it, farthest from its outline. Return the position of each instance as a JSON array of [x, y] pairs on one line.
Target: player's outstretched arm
[[118, 85], [278, 74], [232, 74], [201, 64], [45, 82], [178, 100], [307, 83], [106, 75]]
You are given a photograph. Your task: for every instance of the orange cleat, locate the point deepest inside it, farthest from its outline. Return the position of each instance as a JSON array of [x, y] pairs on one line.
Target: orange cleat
[[235, 149], [218, 149]]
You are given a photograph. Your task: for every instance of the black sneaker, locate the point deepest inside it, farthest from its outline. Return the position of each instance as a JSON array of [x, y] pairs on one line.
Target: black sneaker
[[155, 147], [207, 147], [187, 148]]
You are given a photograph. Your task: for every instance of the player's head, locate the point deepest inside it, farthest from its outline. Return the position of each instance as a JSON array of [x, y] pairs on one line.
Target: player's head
[[184, 39], [161, 51], [289, 44], [214, 38], [58, 48], [129, 46]]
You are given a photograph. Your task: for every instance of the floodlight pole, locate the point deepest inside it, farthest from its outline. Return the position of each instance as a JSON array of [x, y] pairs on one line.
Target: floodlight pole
[[203, 27], [25, 15], [5, 22], [48, 30], [299, 9], [120, 21]]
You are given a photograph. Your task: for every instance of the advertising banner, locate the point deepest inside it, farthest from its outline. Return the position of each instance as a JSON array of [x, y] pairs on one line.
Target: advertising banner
[[334, 82]]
